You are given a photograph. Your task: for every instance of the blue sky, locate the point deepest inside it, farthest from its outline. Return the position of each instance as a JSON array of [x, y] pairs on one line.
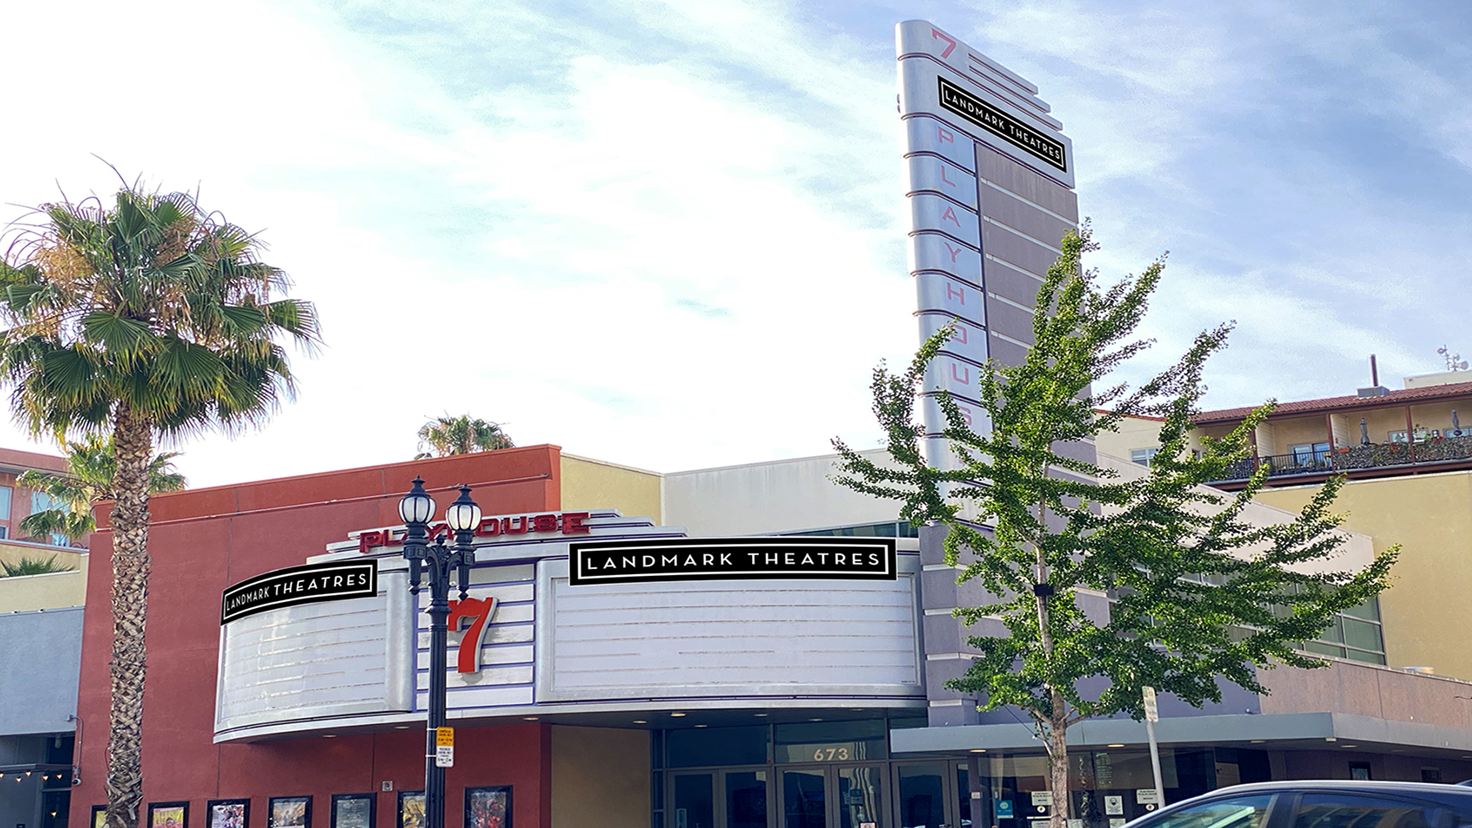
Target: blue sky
[[671, 234]]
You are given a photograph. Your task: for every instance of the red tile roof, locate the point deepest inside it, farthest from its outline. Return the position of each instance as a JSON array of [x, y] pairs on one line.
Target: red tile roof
[[1429, 393]]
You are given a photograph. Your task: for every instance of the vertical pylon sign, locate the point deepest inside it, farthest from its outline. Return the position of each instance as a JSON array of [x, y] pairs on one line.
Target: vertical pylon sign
[[990, 188]]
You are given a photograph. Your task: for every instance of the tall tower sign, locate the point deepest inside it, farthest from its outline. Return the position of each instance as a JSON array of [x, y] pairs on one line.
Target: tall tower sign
[[990, 188]]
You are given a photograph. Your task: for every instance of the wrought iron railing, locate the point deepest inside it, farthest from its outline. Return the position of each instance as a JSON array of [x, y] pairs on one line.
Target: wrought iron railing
[[1350, 458]]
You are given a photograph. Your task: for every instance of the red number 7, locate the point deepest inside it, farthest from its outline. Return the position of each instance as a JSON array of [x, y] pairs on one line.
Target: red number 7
[[478, 612]]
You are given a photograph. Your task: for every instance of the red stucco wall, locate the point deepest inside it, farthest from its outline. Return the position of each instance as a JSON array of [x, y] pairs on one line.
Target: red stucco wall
[[203, 540]]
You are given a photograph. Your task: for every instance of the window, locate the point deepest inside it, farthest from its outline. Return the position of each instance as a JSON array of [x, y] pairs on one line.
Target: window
[[41, 502], [1310, 454], [1326, 810], [900, 529], [1432, 775], [1359, 770], [5, 492], [1228, 812], [1142, 456]]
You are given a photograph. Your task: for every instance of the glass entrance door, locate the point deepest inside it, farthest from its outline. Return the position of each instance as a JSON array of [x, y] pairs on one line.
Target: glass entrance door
[[860, 796], [805, 798], [746, 798], [924, 794], [693, 800]]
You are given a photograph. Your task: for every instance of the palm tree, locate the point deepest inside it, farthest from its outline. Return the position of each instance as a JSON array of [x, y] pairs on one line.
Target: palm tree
[[91, 467], [141, 318], [32, 566], [446, 435]]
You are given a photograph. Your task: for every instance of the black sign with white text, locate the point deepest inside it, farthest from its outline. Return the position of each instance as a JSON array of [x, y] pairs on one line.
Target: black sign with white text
[[702, 559], [300, 585], [997, 122]]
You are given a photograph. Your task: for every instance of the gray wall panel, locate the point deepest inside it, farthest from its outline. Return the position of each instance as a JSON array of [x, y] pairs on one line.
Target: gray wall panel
[[1008, 283], [1014, 249], [38, 697], [1019, 180], [1009, 321], [1019, 215]]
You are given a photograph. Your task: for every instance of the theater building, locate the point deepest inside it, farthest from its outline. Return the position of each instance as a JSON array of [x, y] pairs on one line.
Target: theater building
[[728, 703]]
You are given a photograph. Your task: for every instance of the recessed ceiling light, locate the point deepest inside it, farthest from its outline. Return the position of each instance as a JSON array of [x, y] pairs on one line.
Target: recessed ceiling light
[[815, 720], [761, 715], [324, 736], [641, 721], [529, 718], [677, 714], [1258, 741], [857, 709], [401, 727], [1331, 739], [978, 750], [702, 725], [1115, 746], [1349, 746]]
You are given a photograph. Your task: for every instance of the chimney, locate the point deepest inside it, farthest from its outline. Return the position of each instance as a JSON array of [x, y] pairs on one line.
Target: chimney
[[1375, 389]]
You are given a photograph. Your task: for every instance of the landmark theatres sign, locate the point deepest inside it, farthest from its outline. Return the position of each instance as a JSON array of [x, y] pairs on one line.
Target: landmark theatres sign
[[999, 123], [702, 559], [300, 585]]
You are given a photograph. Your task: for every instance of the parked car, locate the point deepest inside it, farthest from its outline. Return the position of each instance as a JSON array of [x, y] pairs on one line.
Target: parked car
[[1322, 804]]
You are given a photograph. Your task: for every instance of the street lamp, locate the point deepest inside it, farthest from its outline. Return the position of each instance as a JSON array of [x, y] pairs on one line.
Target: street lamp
[[440, 560]]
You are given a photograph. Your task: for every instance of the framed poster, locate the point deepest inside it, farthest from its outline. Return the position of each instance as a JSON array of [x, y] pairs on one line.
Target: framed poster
[[488, 807], [289, 812], [99, 816], [168, 815], [227, 813], [352, 810], [411, 809]]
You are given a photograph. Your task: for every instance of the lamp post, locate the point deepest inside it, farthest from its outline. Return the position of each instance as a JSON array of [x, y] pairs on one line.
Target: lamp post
[[439, 561]]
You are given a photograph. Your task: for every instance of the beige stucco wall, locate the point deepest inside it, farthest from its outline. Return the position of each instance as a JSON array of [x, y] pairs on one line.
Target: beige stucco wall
[[1355, 552], [1134, 433], [594, 484], [600, 776], [1426, 609], [26, 593]]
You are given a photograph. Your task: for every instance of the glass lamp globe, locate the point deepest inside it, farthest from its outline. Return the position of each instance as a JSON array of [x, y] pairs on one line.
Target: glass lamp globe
[[463, 515], [417, 506]]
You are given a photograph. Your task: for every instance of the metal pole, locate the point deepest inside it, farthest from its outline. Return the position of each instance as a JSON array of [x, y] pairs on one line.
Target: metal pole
[[439, 614], [1155, 763]]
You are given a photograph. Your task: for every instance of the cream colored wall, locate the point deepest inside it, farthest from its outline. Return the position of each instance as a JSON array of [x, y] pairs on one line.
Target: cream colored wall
[[600, 776], [1134, 433], [1356, 552], [25, 593], [593, 484], [1425, 611], [1298, 431]]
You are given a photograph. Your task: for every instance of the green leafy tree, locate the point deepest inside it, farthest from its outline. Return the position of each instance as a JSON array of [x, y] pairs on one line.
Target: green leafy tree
[[33, 566], [446, 435], [142, 317], [1198, 593], [91, 467]]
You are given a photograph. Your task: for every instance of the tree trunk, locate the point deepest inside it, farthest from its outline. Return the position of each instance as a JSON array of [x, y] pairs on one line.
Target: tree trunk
[[1058, 766], [133, 443]]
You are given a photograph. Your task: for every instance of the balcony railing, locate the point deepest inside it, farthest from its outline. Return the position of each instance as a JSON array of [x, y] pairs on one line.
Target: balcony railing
[[1347, 459]]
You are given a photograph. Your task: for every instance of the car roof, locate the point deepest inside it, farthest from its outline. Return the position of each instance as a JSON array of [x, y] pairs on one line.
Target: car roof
[[1350, 784], [1429, 789]]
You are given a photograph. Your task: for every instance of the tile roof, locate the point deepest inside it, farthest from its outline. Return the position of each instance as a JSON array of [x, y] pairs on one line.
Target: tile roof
[[1427, 393]]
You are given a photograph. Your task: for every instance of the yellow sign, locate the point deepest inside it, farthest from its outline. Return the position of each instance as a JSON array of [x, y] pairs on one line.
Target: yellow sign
[[444, 737]]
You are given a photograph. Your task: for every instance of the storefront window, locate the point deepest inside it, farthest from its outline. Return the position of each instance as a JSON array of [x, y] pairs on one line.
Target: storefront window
[[831, 741], [717, 746]]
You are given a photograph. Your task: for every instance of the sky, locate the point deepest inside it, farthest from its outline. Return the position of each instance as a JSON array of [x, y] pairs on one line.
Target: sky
[[672, 234]]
